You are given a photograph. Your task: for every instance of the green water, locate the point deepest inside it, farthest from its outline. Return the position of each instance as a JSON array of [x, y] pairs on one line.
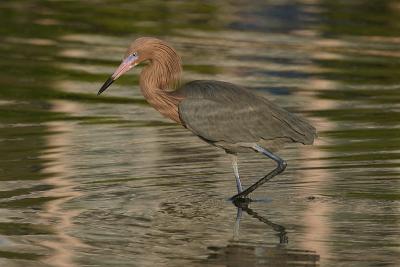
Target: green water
[[107, 181]]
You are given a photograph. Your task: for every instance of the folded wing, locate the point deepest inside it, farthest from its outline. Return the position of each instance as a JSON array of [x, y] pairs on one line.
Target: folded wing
[[219, 111]]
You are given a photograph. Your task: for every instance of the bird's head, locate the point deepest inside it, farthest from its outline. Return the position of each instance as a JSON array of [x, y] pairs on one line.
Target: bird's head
[[140, 50]]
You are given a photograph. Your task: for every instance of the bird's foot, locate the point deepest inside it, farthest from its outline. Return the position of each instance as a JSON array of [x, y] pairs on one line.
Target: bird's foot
[[241, 202]]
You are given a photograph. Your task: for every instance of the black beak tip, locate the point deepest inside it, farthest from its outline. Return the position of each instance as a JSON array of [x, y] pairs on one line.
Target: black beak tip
[[105, 85]]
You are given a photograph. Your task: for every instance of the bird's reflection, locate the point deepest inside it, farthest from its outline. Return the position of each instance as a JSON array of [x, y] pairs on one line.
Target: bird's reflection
[[245, 253], [242, 204]]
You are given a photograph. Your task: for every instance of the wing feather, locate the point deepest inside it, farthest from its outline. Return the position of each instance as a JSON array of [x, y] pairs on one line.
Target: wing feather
[[219, 111]]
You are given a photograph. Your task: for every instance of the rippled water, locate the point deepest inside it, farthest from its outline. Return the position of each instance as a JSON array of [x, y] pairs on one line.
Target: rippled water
[[107, 181]]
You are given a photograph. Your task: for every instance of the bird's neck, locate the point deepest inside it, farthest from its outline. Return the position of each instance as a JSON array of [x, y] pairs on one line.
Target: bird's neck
[[156, 83]]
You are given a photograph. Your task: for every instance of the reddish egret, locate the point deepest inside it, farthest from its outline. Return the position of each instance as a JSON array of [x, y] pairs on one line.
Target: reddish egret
[[225, 115]]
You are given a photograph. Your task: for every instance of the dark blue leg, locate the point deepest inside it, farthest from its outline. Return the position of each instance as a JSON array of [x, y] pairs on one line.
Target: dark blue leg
[[281, 165]]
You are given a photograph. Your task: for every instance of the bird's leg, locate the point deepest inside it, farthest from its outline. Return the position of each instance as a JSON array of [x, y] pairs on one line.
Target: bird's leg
[[236, 171], [281, 165]]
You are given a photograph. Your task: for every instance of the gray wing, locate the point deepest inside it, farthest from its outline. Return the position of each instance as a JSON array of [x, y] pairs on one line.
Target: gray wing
[[219, 111]]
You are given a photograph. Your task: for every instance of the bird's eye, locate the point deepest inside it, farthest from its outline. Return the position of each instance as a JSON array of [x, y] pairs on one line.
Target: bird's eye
[[135, 54]]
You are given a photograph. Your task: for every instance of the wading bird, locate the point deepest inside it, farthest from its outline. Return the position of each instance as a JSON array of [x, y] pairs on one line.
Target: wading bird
[[225, 115]]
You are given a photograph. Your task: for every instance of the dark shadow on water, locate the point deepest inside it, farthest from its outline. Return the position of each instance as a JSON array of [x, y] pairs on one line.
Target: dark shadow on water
[[238, 253], [253, 254]]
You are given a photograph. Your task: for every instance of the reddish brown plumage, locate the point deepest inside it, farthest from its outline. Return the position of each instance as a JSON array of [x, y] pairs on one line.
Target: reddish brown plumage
[[161, 76]]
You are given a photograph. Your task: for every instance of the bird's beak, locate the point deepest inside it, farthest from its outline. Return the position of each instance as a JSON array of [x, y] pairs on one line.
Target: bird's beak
[[127, 64]]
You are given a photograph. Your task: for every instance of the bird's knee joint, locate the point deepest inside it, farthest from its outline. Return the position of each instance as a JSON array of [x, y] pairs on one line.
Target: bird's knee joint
[[282, 165]]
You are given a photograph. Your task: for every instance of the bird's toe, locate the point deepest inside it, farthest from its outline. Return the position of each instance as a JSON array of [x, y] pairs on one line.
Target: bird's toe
[[241, 202]]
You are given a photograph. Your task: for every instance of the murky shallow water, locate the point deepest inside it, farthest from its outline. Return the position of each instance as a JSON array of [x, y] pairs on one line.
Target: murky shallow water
[[89, 181]]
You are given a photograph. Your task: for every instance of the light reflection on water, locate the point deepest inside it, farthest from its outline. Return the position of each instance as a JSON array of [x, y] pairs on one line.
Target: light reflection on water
[[109, 182]]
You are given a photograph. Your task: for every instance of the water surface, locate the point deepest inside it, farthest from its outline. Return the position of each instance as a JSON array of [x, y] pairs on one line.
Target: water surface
[[107, 181]]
